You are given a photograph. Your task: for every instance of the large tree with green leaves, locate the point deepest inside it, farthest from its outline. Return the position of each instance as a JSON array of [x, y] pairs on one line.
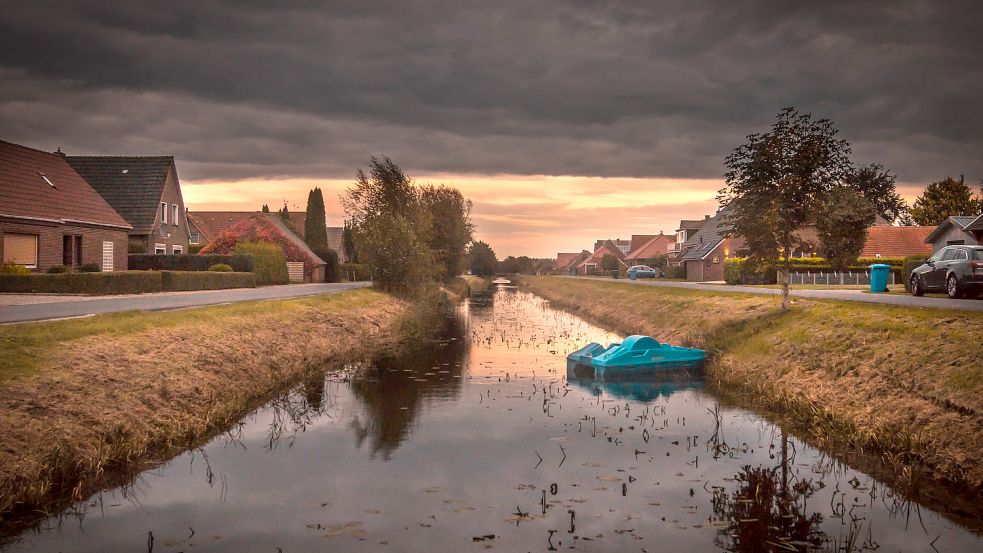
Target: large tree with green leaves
[[316, 234], [877, 186], [348, 241], [842, 222], [391, 229], [451, 229], [481, 259], [945, 198], [776, 180]]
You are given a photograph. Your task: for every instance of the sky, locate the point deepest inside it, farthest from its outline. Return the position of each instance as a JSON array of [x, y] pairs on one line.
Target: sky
[[564, 122]]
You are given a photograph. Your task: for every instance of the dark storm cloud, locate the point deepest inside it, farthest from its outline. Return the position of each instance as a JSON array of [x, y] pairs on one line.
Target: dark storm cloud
[[242, 89]]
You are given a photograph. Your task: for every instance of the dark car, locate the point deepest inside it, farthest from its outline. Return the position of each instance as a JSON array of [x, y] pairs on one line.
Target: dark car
[[955, 270]]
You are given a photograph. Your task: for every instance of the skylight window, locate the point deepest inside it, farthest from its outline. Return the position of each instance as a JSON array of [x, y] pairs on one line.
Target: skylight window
[[47, 180], [125, 171]]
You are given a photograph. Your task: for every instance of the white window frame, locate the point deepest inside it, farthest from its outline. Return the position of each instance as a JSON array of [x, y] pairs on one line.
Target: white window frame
[[160, 249], [177, 248], [194, 237], [177, 215], [163, 213], [108, 251]]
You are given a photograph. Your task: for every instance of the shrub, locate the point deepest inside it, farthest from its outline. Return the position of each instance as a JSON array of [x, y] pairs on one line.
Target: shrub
[[90, 268], [13, 269], [120, 282], [356, 272], [262, 228], [57, 269], [739, 270], [195, 248], [269, 260], [910, 263], [332, 270], [676, 271], [204, 280], [188, 262], [220, 268], [136, 247]]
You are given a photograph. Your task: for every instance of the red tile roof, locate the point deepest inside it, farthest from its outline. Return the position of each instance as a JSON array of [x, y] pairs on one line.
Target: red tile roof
[[888, 241], [563, 260], [25, 174], [608, 247], [212, 223], [656, 245]]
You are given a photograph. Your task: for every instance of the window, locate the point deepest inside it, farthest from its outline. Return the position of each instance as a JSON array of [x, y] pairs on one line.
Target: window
[[955, 242], [163, 213], [177, 249], [937, 256], [175, 220], [950, 254], [107, 256], [978, 255], [962, 256], [193, 237], [21, 249], [71, 250], [160, 248], [716, 259]]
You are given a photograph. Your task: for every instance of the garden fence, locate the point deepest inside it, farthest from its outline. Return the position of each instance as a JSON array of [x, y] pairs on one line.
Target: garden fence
[[834, 278]]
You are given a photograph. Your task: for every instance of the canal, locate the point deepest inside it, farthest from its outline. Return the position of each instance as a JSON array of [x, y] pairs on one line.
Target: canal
[[483, 443]]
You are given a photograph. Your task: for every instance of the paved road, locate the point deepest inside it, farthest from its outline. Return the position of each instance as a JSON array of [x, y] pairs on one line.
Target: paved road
[[847, 295], [75, 307]]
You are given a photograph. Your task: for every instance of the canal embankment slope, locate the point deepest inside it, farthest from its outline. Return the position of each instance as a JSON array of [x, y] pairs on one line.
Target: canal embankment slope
[[84, 400], [905, 383]]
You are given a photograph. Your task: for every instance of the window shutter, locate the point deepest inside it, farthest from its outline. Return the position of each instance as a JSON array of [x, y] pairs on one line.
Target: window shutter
[[21, 249], [107, 256]]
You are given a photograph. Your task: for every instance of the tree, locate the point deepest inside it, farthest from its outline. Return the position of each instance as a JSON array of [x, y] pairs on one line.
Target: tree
[[609, 262], [348, 241], [451, 228], [316, 234], [391, 230], [842, 222], [775, 181], [266, 208], [481, 259], [945, 198], [284, 212], [877, 186]]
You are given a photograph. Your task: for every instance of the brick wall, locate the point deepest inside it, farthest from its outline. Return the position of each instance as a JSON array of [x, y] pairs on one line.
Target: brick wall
[[51, 241]]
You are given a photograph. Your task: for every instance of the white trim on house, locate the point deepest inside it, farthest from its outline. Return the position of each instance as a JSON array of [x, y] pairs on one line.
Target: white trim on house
[[160, 249], [175, 213], [163, 213], [63, 221], [176, 248], [107, 256]]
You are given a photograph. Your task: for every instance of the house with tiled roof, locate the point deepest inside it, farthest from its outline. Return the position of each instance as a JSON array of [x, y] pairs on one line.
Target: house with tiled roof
[[705, 251], [146, 192], [687, 228], [270, 227], [952, 231], [49, 215], [206, 225], [592, 263], [655, 246], [624, 246], [567, 263], [891, 241]]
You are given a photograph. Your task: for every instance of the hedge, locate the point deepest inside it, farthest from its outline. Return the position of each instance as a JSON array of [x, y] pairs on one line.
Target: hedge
[[356, 272], [189, 262], [270, 261], [123, 282], [739, 270], [910, 264], [172, 281], [120, 282]]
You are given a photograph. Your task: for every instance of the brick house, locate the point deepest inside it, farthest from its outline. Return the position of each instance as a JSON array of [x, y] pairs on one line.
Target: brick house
[[566, 263], [270, 227], [649, 246], [593, 262], [687, 228], [49, 215], [206, 225], [703, 254], [146, 191]]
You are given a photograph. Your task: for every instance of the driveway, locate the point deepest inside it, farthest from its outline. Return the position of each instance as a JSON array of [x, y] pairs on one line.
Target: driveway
[[846, 295], [14, 307]]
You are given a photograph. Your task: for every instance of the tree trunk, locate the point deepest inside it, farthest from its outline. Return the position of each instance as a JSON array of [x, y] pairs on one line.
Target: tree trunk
[[786, 275]]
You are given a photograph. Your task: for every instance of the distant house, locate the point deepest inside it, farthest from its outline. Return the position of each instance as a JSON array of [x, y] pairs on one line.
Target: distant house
[[705, 251], [567, 263], [269, 227], [49, 215], [205, 225], [687, 228], [890, 241], [144, 190], [624, 246], [952, 231], [650, 246], [592, 262]]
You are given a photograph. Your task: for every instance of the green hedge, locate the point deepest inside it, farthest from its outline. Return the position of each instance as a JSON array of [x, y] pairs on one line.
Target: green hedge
[[676, 271], [356, 272], [270, 261], [172, 281], [188, 262], [739, 270], [121, 282]]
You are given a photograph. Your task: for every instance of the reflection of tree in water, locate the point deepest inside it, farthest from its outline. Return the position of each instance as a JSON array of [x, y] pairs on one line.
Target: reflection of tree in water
[[763, 516], [392, 398]]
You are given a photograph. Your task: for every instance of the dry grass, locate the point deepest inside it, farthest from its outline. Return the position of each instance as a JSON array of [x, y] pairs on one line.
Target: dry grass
[[80, 399], [904, 383]]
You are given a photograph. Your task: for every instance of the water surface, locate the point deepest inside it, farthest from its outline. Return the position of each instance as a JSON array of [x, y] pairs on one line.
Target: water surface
[[482, 443]]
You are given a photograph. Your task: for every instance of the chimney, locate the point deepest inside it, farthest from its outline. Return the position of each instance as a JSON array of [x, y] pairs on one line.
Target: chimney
[[58, 152], [706, 217]]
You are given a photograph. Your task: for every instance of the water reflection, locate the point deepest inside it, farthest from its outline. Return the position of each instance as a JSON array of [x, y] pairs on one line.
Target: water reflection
[[637, 389]]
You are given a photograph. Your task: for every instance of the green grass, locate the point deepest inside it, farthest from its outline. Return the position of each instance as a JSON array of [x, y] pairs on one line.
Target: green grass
[[25, 343]]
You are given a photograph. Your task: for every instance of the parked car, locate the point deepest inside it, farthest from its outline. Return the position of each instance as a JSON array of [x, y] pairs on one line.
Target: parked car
[[641, 271], [955, 270]]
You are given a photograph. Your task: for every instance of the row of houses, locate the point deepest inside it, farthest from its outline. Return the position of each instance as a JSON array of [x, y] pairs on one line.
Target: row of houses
[[700, 246], [57, 209]]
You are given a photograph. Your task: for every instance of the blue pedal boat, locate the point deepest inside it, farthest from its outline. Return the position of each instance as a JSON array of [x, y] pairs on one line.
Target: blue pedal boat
[[636, 355]]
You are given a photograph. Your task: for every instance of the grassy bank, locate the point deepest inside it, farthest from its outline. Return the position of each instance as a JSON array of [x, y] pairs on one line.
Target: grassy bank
[[83, 400], [904, 383]]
